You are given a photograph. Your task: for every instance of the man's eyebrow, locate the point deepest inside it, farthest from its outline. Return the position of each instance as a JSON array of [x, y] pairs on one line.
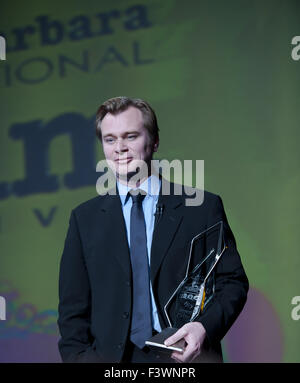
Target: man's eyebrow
[[132, 131], [124, 134]]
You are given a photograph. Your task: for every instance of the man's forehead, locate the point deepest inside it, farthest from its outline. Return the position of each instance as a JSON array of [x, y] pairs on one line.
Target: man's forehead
[[131, 114]]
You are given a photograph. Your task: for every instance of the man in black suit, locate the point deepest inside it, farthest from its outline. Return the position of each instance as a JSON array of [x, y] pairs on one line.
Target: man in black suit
[[120, 265]]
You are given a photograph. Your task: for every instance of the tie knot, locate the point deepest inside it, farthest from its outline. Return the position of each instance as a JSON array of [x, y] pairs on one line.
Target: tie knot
[[137, 195]]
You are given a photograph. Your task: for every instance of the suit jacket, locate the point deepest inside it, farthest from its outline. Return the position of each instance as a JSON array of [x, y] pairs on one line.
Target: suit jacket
[[95, 293]]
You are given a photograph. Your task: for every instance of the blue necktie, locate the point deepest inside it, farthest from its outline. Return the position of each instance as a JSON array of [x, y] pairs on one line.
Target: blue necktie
[[141, 324]]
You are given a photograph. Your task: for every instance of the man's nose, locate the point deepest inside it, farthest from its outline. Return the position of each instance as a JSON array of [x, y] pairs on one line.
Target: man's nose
[[121, 146]]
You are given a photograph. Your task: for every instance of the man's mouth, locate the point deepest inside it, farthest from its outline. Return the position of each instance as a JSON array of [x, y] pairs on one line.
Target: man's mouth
[[123, 160]]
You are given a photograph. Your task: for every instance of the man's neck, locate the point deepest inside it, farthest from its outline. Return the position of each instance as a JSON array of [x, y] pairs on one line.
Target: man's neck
[[133, 184]]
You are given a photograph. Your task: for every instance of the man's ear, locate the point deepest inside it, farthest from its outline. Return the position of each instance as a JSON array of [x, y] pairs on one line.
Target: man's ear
[[155, 146]]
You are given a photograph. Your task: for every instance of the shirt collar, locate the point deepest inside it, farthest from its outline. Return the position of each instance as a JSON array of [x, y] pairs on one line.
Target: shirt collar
[[151, 186]]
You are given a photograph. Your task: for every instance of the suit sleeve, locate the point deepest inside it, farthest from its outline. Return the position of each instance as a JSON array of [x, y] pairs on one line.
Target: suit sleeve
[[231, 284], [75, 344]]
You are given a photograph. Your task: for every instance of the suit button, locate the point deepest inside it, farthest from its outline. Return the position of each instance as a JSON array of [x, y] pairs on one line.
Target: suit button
[[125, 315], [128, 283], [120, 346]]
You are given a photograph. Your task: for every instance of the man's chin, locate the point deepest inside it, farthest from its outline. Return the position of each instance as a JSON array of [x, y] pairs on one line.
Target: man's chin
[[134, 171], [124, 170], [135, 178], [126, 176]]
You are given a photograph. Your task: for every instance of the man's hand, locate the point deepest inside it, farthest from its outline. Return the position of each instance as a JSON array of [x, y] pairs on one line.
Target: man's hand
[[194, 334]]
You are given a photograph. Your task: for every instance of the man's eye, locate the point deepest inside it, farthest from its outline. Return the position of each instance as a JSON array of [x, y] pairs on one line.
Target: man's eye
[[131, 136], [109, 140]]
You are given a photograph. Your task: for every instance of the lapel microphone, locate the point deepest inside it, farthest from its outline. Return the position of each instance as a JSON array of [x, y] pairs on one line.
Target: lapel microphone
[[158, 212]]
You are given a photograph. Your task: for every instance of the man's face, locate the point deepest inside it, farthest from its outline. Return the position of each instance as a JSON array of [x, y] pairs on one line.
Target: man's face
[[126, 142]]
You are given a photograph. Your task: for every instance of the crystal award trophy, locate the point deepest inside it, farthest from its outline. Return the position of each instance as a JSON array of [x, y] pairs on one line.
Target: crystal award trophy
[[197, 288]]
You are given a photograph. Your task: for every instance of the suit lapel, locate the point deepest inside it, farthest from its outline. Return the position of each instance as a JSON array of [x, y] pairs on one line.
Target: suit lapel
[[165, 229], [111, 210]]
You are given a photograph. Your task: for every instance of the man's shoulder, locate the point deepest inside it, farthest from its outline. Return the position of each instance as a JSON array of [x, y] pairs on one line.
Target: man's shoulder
[[90, 205], [201, 197]]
